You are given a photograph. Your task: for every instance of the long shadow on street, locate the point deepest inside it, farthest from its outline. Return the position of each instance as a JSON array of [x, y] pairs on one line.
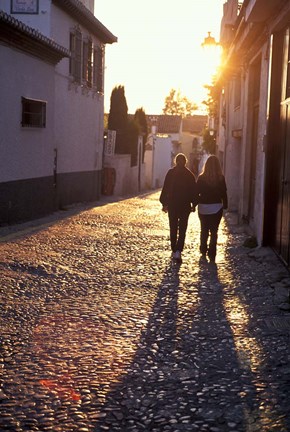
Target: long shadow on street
[[185, 375]]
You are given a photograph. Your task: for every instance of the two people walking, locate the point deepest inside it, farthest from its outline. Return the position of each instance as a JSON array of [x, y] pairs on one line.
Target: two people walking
[[180, 195]]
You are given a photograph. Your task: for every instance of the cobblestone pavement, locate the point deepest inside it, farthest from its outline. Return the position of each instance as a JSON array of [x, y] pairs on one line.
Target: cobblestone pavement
[[100, 331]]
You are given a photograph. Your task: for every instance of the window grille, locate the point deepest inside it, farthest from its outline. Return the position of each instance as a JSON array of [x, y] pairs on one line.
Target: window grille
[[98, 69], [76, 55], [88, 62], [33, 113], [237, 91]]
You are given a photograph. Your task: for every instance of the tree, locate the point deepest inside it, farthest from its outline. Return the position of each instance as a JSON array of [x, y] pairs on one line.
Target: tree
[[176, 104], [213, 96], [140, 119], [212, 105], [127, 130], [118, 119]]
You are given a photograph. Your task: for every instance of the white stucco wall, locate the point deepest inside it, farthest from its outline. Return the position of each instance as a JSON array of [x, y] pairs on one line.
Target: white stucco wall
[[260, 167], [25, 152], [78, 128], [148, 168], [162, 160], [232, 158], [238, 155], [77, 117], [78, 111], [126, 176]]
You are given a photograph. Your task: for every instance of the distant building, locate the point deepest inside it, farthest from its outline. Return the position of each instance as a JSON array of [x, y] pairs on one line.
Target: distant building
[[192, 139], [51, 127], [161, 147], [169, 135]]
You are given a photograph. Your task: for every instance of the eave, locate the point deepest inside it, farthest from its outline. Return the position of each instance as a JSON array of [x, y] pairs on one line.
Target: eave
[[18, 35], [78, 11], [261, 10]]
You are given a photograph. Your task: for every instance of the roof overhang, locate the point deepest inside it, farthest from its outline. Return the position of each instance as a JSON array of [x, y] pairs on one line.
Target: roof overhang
[[77, 10], [261, 10], [15, 33]]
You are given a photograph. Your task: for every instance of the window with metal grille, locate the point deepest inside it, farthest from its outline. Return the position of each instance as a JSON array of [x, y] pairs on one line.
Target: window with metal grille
[[88, 62], [33, 113], [237, 91], [75, 64], [98, 69]]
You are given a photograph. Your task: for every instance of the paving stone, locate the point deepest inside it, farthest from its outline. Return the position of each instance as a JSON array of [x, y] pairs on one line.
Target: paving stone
[[100, 331]]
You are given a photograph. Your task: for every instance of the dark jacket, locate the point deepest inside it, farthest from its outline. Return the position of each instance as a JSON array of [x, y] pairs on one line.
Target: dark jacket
[[179, 189], [208, 194]]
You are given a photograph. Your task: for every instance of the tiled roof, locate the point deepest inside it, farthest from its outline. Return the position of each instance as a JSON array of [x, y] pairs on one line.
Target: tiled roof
[[164, 123], [83, 15], [168, 124], [15, 33], [194, 124]]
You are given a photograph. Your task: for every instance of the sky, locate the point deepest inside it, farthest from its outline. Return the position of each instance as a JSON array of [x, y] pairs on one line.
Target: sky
[[158, 48]]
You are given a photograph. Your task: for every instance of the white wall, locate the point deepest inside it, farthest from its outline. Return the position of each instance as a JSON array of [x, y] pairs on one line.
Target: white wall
[[79, 111], [126, 176], [25, 152], [148, 168], [260, 168], [162, 160], [232, 146], [237, 155]]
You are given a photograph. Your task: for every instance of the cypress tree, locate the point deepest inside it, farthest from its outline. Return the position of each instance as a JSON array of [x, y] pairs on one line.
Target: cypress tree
[[118, 119]]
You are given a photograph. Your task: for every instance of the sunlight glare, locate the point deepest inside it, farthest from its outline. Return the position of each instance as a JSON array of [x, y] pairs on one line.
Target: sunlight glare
[[159, 50], [249, 351]]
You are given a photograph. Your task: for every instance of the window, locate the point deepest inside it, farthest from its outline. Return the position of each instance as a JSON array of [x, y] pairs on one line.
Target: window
[[76, 55], [88, 62], [98, 67], [33, 113], [237, 92]]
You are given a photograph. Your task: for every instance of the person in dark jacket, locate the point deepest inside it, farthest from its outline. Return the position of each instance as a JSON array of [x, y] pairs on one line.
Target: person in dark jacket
[[178, 197], [212, 199]]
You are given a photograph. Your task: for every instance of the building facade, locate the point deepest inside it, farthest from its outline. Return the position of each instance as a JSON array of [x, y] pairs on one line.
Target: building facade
[[51, 131], [253, 126], [163, 143]]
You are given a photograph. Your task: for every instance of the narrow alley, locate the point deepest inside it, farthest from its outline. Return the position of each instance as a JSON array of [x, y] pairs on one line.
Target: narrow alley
[[101, 331]]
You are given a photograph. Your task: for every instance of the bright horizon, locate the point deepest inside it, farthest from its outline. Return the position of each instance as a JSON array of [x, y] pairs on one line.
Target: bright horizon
[[158, 48]]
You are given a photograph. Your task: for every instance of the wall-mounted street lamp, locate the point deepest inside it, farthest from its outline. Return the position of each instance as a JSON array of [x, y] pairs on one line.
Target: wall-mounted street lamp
[[212, 52], [209, 41]]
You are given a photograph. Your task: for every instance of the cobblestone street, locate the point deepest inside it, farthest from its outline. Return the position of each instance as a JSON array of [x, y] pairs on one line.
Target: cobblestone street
[[101, 331]]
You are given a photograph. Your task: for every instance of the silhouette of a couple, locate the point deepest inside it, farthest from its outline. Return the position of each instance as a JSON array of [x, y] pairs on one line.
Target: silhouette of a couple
[[180, 195]]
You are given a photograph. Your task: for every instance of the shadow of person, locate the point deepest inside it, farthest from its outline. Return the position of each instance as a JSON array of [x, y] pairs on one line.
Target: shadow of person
[[219, 379], [185, 375], [146, 395]]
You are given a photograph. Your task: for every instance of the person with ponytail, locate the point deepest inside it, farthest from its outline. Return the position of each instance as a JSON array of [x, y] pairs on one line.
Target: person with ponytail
[[212, 200]]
